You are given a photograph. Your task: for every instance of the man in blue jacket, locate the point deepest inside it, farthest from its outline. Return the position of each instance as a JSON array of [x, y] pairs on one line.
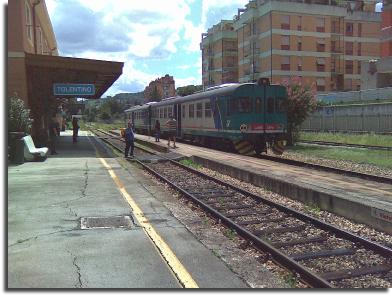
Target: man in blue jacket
[[129, 139]]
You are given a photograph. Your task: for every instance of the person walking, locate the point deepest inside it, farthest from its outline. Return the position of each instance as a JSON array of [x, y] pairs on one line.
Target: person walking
[[171, 124], [53, 134], [157, 130], [75, 129], [129, 140]]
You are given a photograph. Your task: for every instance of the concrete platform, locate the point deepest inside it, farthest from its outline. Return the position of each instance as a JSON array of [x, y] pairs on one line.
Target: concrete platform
[[48, 249], [363, 201]]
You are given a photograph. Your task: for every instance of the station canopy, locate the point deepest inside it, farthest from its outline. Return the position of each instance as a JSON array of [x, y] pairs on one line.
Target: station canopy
[[44, 71]]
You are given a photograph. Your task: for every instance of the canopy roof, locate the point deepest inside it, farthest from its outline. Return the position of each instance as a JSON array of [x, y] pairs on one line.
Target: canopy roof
[[45, 70]]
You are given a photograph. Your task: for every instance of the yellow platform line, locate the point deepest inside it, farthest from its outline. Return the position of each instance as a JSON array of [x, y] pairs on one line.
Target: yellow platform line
[[174, 263]]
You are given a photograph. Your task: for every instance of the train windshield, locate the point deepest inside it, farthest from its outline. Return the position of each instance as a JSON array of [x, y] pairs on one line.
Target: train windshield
[[239, 105]]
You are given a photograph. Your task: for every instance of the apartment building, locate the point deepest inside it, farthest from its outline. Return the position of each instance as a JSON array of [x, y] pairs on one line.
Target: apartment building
[[160, 88], [219, 54], [319, 41], [378, 73]]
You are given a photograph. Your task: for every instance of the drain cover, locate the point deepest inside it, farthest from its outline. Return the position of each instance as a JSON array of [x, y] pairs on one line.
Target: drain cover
[[106, 222]]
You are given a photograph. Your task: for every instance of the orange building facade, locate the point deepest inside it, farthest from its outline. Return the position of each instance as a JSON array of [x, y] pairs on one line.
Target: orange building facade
[[318, 41], [386, 29], [23, 17], [219, 54], [160, 88]]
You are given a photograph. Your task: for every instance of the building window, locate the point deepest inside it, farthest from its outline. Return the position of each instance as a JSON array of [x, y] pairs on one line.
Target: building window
[[299, 66], [359, 30], [320, 45], [299, 44], [199, 110], [349, 67], [285, 63], [285, 22], [191, 110], [349, 48], [299, 26], [359, 67], [348, 84], [320, 24], [29, 25], [285, 42], [359, 48], [320, 62], [349, 29], [320, 82]]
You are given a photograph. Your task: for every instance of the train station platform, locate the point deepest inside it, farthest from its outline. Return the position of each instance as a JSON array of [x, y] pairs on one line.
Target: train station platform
[[363, 201], [86, 219]]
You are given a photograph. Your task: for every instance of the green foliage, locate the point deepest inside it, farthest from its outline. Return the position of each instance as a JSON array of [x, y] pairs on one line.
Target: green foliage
[[190, 163], [313, 208], [291, 280], [18, 116], [188, 90], [301, 102], [230, 233]]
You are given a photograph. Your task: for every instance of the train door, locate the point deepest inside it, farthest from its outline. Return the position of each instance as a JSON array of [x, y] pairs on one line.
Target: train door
[[178, 117]]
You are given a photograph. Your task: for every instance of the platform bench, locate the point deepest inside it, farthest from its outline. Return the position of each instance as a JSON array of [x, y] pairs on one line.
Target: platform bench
[[31, 153]]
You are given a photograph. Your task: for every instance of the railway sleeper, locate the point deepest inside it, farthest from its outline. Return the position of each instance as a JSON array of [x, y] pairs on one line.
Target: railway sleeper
[[264, 232], [349, 273], [234, 207], [246, 213], [304, 241], [253, 222], [323, 253]]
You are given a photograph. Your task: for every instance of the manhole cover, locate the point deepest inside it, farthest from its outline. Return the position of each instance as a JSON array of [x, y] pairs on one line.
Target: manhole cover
[[106, 222]]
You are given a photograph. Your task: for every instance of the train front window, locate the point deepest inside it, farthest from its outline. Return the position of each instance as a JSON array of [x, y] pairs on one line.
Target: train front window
[[244, 105], [270, 105], [259, 106], [280, 105]]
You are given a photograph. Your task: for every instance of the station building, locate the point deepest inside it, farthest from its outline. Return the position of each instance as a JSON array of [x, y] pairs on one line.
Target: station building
[[34, 65], [320, 41]]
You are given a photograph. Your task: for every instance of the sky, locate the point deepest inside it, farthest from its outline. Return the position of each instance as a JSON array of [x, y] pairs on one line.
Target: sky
[[152, 37]]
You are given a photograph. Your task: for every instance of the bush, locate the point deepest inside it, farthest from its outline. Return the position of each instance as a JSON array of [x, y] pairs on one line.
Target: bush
[[18, 116]]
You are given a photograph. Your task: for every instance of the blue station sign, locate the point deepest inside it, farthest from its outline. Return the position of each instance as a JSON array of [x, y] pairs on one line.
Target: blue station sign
[[65, 89]]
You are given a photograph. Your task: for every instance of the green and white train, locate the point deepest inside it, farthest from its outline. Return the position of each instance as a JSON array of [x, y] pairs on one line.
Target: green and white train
[[250, 116]]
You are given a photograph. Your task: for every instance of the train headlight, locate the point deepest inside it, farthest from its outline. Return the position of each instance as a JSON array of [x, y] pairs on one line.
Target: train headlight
[[243, 128]]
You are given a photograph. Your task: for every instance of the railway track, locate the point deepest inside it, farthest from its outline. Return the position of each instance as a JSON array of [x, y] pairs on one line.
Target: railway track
[[356, 174], [371, 177], [336, 144], [322, 255]]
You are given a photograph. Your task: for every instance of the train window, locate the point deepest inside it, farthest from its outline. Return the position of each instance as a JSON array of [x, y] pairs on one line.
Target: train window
[[169, 111], [259, 106], [160, 113], [280, 105], [199, 110], [191, 110], [165, 112], [270, 105], [183, 111], [207, 109], [244, 105]]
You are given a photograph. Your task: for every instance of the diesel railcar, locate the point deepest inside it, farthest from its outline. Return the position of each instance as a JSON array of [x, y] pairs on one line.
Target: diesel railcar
[[250, 116]]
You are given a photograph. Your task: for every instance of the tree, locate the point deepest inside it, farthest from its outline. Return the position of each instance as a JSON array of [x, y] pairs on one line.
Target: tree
[[18, 116], [301, 102], [188, 90]]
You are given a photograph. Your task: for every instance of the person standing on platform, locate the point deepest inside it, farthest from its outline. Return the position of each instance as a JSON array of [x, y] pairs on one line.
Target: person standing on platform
[[53, 134], [157, 130], [129, 140], [171, 124], [75, 128]]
